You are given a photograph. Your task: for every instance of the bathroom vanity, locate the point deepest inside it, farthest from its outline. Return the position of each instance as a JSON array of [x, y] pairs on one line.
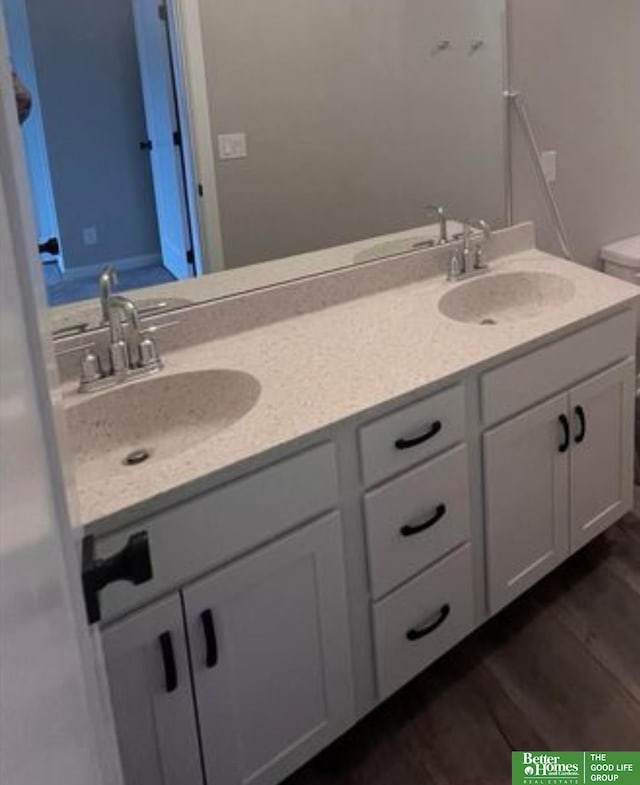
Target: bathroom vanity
[[408, 462]]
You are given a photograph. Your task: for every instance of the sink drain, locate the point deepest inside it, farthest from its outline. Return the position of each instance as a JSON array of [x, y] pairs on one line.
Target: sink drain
[[488, 322], [136, 457]]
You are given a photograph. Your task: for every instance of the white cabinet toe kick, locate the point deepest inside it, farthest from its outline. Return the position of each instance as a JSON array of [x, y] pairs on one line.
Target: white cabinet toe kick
[[288, 603]]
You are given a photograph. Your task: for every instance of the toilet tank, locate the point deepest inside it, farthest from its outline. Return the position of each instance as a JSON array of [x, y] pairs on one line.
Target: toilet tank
[[622, 259]]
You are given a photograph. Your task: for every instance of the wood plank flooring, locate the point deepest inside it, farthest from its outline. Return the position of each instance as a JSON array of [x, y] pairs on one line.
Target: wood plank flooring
[[557, 670]]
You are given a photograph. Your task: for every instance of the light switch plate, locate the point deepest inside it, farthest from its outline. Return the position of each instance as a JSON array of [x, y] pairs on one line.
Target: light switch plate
[[232, 146], [549, 161]]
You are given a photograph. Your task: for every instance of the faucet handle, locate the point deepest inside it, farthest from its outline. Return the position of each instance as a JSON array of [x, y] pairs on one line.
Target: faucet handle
[[148, 353], [90, 367]]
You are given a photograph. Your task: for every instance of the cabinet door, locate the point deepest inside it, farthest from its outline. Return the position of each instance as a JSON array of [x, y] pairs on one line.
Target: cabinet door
[[270, 652], [526, 464], [148, 670], [602, 454]]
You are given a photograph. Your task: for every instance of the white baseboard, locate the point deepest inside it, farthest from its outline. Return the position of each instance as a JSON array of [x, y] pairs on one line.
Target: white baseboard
[[128, 263]]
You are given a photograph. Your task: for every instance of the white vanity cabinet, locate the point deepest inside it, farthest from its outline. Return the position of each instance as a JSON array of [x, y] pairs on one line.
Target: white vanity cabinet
[[602, 453], [555, 477], [150, 684], [526, 500], [269, 661], [270, 652], [299, 595]]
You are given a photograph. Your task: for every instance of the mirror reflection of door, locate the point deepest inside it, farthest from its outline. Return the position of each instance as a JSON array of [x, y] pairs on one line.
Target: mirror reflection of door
[[164, 142], [44, 207], [100, 89]]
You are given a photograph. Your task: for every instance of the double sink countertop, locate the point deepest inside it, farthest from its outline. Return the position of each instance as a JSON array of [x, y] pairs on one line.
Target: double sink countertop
[[325, 367]]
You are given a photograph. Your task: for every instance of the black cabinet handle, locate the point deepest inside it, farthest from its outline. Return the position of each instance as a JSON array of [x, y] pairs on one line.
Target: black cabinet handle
[[407, 444], [132, 563], [169, 662], [420, 632], [566, 431], [206, 617], [409, 531], [582, 419], [146, 145]]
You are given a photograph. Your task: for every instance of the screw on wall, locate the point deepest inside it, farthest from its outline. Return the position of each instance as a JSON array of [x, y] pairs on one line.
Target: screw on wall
[[441, 46]]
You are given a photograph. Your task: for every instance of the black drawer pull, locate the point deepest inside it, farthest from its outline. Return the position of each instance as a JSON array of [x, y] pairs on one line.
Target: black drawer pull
[[407, 444], [582, 419], [566, 431], [420, 632], [409, 531], [169, 662], [206, 617]]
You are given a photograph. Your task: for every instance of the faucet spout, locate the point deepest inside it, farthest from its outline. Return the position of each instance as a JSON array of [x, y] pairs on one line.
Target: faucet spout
[[441, 212], [117, 305], [481, 225], [108, 278]]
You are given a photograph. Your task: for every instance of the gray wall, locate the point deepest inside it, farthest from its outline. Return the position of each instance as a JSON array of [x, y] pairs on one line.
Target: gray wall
[[578, 65], [353, 124], [91, 101]]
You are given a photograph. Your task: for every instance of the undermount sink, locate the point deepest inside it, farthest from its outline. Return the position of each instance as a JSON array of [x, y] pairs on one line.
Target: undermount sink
[[506, 297], [156, 418]]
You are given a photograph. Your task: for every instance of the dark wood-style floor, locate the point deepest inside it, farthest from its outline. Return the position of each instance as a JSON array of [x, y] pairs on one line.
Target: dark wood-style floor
[[557, 670]]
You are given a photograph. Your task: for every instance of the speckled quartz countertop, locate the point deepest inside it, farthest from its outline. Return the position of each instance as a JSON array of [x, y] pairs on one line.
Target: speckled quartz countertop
[[324, 367]]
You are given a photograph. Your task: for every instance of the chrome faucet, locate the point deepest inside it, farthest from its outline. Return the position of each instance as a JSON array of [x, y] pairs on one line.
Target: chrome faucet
[[132, 352], [108, 278], [471, 260], [441, 212], [119, 350]]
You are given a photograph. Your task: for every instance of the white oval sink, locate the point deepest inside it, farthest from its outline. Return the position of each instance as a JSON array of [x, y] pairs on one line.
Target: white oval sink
[[157, 418], [506, 297]]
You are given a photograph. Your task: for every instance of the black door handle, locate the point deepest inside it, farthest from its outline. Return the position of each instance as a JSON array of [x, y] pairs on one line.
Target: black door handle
[[169, 662], [50, 246], [407, 444], [211, 642], [132, 564], [146, 144], [566, 431], [417, 633], [409, 531], [582, 419]]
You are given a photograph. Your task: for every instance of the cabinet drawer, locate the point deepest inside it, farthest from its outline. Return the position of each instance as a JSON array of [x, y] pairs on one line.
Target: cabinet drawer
[[530, 379], [411, 435], [422, 620], [415, 519], [192, 538]]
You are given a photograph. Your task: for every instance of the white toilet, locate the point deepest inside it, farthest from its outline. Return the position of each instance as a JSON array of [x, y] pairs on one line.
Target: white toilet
[[622, 259]]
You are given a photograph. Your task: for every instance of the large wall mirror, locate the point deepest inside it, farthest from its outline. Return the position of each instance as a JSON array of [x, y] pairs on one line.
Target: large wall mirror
[[200, 148]]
